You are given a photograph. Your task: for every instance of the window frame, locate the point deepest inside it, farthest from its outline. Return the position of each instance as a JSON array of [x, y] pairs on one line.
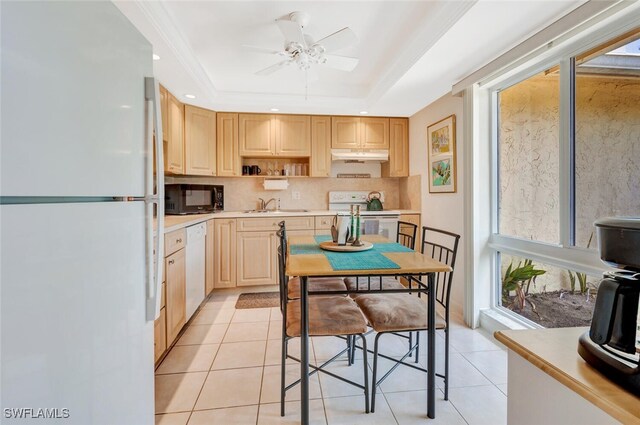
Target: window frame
[[564, 254]]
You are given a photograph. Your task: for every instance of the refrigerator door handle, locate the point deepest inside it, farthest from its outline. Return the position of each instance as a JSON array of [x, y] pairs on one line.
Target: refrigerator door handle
[[154, 197]]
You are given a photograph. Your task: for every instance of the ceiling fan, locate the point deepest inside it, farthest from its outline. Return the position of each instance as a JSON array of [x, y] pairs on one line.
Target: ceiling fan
[[302, 51]]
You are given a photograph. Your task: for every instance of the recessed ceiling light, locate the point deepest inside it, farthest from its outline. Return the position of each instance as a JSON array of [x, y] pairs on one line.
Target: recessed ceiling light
[[363, 112], [190, 96], [275, 109], [156, 57]]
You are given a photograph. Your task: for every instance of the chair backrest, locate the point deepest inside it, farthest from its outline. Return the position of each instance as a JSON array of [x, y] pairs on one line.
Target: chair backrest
[[442, 246], [282, 261], [407, 234]]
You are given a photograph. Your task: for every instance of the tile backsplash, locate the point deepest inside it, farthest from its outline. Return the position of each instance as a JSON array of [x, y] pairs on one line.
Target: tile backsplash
[[241, 193]]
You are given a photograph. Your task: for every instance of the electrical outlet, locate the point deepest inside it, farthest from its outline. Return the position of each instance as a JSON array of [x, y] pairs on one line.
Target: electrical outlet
[[295, 195]]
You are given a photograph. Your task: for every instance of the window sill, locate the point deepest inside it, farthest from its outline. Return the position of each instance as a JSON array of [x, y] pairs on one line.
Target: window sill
[[498, 319]]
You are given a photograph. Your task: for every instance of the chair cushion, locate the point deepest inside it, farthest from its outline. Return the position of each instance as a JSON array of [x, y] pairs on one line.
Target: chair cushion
[[395, 312], [315, 284], [327, 316]]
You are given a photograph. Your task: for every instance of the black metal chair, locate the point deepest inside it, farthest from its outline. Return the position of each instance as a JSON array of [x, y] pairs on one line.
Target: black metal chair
[[395, 313], [328, 316], [407, 234]]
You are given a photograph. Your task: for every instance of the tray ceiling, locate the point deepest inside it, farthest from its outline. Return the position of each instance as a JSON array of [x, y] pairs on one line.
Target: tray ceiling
[[411, 52]]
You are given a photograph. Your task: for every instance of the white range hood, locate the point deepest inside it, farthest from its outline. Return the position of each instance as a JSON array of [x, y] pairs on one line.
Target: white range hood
[[374, 155]]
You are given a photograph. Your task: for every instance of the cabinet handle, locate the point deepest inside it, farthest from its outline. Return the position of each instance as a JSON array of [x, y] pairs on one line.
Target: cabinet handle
[[179, 240], [172, 261]]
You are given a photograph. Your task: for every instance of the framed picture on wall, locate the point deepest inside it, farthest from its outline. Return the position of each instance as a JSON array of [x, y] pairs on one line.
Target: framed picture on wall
[[441, 148]]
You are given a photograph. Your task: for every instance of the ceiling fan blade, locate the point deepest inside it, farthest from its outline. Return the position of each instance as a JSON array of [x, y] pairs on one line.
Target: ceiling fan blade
[[338, 40], [258, 49], [273, 68], [292, 31], [344, 63]]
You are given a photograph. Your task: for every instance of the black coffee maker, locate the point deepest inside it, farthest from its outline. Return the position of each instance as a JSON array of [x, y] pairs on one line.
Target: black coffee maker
[[610, 345]]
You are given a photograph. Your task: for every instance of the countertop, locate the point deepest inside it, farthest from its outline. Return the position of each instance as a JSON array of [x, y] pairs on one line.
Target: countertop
[[176, 222], [555, 352]]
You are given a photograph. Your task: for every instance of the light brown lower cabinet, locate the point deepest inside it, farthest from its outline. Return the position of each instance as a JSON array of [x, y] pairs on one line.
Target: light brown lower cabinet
[[415, 219], [256, 258], [160, 335], [176, 294], [209, 253], [224, 264]]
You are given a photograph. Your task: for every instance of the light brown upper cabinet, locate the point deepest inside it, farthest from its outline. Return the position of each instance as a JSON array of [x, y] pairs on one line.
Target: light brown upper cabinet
[[228, 158], [174, 152], [293, 135], [164, 110], [345, 132], [320, 163], [359, 133], [398, 164], [257, 134], [199, 141], [263, 135]]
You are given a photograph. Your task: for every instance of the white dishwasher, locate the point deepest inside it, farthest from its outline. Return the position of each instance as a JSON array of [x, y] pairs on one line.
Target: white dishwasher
[[195, 266]]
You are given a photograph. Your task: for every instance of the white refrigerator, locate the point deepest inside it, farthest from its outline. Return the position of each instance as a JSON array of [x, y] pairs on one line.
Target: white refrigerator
[[78, 287]]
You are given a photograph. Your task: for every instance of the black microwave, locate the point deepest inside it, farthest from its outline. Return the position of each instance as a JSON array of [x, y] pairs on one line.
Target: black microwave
[[193, 198]]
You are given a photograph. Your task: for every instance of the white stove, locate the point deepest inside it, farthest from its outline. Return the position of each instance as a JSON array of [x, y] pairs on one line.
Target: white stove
[[384, 222], [342, 200]]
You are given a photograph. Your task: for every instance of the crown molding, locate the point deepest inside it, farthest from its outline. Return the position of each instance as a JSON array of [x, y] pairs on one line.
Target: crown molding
[[431, 30], [162, 21]]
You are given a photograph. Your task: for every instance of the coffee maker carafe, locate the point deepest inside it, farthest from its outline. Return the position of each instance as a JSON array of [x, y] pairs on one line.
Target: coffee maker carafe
[[610, 345]]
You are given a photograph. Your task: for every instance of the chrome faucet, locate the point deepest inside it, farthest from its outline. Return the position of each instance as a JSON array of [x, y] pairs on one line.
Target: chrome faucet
[[264, 205]]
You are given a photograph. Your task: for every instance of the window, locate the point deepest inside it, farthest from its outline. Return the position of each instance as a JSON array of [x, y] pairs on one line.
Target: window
[[607, 135], [528, 158], [566, 140]]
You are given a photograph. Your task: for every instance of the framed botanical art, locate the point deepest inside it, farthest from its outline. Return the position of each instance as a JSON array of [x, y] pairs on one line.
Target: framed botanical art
[[441, 147]]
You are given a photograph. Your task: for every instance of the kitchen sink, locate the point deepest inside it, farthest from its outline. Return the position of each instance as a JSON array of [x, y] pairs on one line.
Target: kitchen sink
[[275, 211]]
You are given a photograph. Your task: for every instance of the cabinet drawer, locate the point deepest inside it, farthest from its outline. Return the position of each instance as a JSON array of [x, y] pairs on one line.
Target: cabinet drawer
[[324, 222], [271, 223], [174, 241]]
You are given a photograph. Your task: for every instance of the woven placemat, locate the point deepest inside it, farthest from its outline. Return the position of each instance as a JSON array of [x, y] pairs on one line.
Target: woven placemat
[[258, 300]]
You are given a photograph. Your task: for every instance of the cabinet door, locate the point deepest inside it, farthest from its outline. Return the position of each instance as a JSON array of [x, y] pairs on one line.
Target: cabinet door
[[293, 135], [228, 158], [374, 133], [199, 141], [174, 154], [176, 294], [224, 264], [256, 135], [164, 110], [256, 258], [345, 132], [398, 164], [159, 335], [320, 162], [209, 253]]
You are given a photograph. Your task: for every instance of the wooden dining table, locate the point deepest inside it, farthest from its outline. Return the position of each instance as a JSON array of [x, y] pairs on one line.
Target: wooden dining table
[[311, 263]]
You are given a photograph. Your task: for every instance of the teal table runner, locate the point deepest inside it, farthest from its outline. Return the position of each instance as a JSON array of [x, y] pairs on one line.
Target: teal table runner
[[364, 260]]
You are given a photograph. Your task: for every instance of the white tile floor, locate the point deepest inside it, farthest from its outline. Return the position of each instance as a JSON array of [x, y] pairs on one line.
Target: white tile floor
[[225, 370]]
